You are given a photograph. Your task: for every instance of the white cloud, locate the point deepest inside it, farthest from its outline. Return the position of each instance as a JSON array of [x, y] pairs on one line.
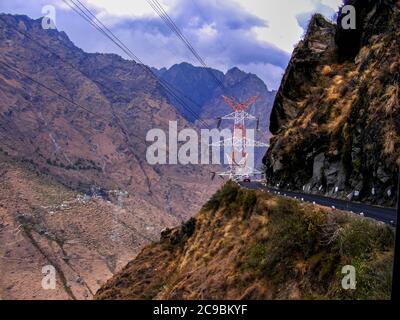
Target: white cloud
[[208, 31], [123, 8], [283, 29], [334, 4]]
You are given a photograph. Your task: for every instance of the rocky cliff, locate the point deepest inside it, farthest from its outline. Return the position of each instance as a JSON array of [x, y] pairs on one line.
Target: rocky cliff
[[335, 119]]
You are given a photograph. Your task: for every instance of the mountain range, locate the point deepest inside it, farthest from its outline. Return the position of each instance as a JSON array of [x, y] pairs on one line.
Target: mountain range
[[204, 89], [74, 176], [335, 126], [77, 193]]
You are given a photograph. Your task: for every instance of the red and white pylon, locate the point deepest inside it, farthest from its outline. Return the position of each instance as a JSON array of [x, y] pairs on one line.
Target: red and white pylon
[[238, 160]]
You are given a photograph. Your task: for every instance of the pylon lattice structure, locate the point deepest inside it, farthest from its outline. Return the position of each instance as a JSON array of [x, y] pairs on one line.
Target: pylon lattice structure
[[238, 160]]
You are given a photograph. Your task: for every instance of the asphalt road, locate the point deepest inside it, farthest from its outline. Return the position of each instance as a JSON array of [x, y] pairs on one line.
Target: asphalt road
[[387, 215]]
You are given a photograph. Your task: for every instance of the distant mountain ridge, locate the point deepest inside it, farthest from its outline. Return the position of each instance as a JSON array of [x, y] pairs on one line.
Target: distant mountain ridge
[[196, 83], [204, 96], [204, 91]]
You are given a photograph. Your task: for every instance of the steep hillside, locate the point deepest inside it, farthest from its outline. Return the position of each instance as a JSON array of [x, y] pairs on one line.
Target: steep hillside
[[86, 238], [335, 119], [251, 245], [93, 152]]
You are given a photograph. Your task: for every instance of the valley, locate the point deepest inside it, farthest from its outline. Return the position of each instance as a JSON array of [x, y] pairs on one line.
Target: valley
[[335, 135], [84, 191], [98, 155]]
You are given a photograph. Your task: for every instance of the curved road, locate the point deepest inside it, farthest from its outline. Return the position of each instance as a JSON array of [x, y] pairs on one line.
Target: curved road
[[387, 215]]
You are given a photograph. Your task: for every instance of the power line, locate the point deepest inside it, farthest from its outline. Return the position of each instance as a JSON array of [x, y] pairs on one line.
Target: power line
[[170, 23], [123, 128], [157, 7], [109, 34], [87, 15], [164, 15], [52, 90], [77, 68]]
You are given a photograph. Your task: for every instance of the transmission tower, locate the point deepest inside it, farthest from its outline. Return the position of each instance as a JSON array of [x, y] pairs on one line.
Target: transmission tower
[[238, 159]]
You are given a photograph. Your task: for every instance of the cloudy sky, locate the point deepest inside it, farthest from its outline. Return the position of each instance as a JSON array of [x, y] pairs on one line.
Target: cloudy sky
[[257, 36]]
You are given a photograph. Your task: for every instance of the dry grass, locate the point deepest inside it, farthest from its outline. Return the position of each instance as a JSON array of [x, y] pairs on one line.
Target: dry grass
[[337, 121], [390, 140], [391, 97], [282, 249], [326, 70]]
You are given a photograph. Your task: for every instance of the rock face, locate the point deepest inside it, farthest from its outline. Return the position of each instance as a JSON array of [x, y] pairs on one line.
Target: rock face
[[335, 119], [252, 245], [97, 153]]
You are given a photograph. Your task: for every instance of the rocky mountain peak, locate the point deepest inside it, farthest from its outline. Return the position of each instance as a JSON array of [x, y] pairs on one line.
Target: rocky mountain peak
[[317, 46], [235, 76], [34, 27]]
